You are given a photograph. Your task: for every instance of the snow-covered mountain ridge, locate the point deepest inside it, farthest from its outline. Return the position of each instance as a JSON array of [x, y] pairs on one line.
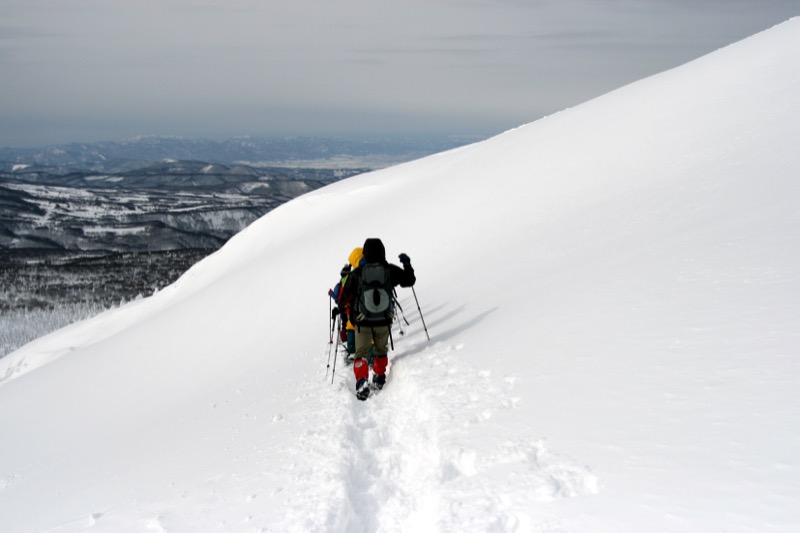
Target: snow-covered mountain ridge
[[163, 206], [614, 340], [116, 156]]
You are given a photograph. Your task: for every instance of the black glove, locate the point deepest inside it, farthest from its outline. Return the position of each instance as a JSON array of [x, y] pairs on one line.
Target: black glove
[[404, 259], [335, 313]]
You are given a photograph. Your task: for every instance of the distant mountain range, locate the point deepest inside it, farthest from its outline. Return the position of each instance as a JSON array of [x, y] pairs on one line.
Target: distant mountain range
[[164, 206], [116, 156], [168, 193]]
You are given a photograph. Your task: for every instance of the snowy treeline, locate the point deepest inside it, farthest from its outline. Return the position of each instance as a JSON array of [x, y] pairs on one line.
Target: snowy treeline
[[21, 326], [41, 292]]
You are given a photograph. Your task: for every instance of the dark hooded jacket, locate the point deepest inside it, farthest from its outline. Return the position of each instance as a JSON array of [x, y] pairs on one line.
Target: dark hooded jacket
[[374, 252]]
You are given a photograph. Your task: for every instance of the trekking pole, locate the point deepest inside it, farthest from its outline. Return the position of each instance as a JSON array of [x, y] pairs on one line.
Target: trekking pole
[[400, 324], [420, 313], [330, 346], [330, 317], [336, 356], [397, 302]]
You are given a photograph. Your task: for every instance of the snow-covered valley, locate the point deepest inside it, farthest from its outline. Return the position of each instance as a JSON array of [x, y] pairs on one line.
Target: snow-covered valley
[[170, 205]]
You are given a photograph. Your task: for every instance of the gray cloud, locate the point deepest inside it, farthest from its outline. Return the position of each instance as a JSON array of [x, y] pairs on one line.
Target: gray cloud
[[91, 69]]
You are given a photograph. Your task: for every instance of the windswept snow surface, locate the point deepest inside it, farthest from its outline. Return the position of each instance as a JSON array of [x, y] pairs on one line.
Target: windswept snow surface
[[612, 296]]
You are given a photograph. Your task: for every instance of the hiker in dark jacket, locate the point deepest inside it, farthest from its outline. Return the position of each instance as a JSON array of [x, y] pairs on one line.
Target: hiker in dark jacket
[[348, 330], [371, 313]]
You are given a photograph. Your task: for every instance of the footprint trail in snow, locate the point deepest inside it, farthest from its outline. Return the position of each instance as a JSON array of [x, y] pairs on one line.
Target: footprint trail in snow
[[429, 453]]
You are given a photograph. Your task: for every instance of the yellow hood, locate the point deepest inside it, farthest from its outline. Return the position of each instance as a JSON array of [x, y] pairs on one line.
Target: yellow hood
[[355, 256]]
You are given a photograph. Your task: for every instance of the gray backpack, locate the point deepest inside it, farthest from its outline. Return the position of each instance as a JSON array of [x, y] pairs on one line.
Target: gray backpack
[[374, 303]]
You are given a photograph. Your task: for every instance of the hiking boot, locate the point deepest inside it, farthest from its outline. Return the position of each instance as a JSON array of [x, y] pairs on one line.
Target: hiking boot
[[362, 389], [378, 381]]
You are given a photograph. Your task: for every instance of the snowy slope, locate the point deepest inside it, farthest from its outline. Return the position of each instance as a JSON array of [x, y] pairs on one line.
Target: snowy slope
[[614, 342]]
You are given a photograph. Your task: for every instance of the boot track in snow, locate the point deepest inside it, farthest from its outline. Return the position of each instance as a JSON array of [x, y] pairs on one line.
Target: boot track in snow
[[430, 451]]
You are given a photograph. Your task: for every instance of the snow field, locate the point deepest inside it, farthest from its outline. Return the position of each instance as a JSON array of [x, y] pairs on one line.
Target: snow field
[[614, 339], [429, 452]]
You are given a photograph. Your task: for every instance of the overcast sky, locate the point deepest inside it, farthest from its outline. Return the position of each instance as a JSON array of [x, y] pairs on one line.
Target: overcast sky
[[90, 70]]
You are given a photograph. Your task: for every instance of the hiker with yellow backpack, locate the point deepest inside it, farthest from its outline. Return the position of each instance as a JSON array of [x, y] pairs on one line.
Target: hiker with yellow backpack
[[347, 329]]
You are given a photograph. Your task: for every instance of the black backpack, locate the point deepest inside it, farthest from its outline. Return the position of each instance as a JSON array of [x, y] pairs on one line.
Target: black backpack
[[374, 301]]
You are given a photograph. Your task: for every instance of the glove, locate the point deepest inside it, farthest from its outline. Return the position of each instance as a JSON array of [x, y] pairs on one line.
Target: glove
[[335, 313], [404, 259]]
